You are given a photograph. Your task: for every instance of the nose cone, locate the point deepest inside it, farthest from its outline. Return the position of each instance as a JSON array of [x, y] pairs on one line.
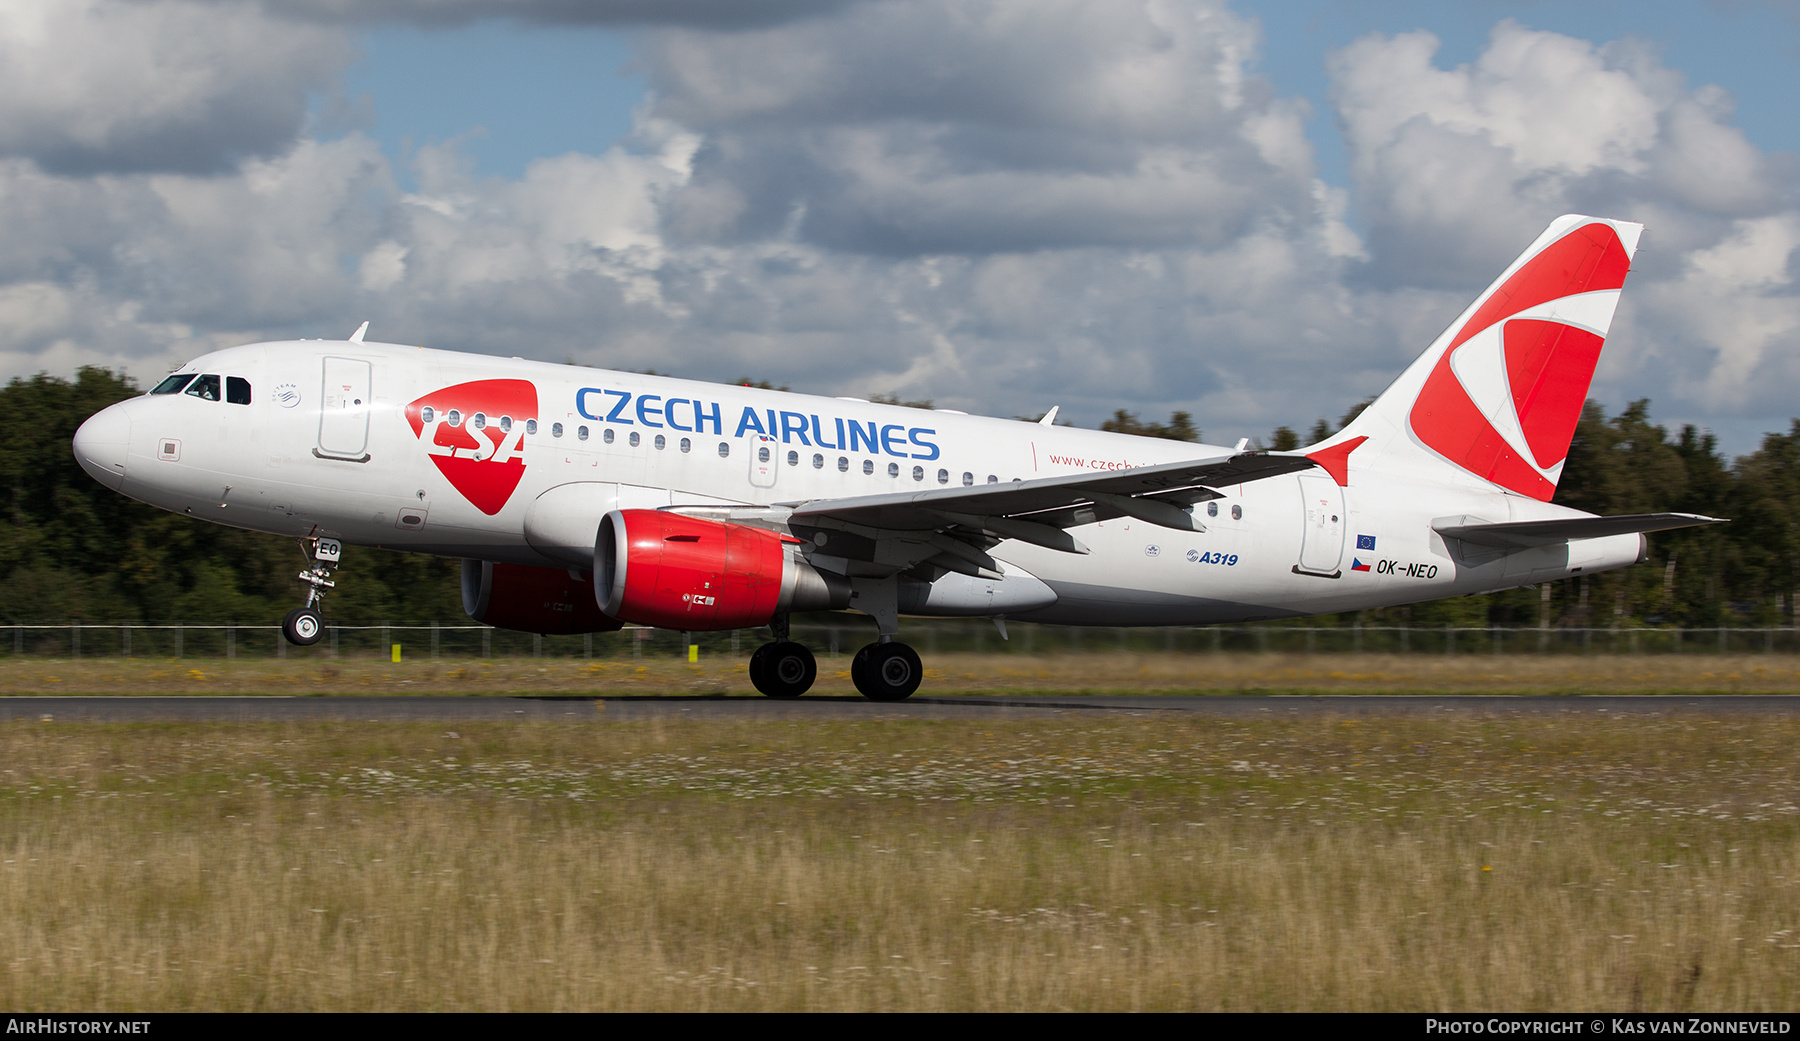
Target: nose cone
[[101, 444]]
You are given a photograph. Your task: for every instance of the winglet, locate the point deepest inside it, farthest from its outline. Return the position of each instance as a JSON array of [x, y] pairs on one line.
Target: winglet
[[1336, 459], [356, 337]]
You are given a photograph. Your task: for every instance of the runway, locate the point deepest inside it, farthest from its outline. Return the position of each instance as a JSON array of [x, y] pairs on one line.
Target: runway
[[425, 708]]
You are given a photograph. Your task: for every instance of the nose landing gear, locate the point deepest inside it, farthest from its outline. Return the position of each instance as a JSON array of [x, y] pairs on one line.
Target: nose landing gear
[[304, 625]]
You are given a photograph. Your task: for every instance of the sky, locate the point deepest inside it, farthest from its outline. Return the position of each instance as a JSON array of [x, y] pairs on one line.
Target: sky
[[1254, 212]]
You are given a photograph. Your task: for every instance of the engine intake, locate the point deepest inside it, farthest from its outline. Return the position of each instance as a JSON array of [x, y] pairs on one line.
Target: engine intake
[[652, 567], [544, 600]]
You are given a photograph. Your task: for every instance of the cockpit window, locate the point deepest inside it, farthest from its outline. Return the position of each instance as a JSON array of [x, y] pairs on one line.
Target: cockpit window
[[237, 390], [206, 387], [173, 384]]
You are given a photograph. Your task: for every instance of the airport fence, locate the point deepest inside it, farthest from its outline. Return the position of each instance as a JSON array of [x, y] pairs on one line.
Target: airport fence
[[832, 640]]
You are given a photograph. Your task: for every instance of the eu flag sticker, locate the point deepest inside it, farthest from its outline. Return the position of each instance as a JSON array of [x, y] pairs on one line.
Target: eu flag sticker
[[1365, 542]]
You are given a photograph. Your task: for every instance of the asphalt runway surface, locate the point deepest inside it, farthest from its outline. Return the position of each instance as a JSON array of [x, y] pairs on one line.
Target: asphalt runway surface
[[424, 708]]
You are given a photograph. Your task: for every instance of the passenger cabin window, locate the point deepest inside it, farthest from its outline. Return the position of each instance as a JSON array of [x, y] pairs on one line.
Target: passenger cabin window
[[237, 390], [173, 384], [556, 430], [205, 387]]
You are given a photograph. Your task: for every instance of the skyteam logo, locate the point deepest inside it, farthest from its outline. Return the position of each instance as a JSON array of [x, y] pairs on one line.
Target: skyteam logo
[[475, 435]]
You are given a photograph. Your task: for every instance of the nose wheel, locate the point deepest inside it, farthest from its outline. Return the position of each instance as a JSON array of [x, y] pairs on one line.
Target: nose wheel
[[886, 671], [783, 669], [304, 625]]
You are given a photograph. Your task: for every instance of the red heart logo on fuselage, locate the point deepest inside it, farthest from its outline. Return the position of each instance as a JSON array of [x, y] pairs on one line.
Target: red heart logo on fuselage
[[475, 434]]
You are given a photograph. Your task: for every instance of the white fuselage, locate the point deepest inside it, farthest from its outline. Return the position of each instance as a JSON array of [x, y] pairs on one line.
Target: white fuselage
[[355, 441]]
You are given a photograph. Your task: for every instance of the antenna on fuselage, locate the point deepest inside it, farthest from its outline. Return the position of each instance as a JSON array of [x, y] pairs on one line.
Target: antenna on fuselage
[[1049, 419], [356, 337]]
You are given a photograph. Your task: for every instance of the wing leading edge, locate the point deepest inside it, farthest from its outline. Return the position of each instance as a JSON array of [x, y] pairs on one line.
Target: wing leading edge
[[1037, 511]]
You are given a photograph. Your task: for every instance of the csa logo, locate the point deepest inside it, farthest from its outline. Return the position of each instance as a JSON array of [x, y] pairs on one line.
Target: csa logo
[[475, 434]]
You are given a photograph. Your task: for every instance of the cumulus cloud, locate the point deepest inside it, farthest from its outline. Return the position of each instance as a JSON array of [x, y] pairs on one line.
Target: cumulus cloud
[[1456, 169], [1539, 124], [722, 13], [998, 204], [945, 127], [99, 86]]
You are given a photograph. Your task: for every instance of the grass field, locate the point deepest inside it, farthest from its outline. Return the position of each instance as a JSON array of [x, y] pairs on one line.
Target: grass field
[[1108, 862], [1090, 673]]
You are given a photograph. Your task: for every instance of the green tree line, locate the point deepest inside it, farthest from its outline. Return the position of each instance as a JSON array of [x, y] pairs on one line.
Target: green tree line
[[73, 550]]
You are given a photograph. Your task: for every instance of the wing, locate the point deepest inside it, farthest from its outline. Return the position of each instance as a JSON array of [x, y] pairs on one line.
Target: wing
[[953, 527]]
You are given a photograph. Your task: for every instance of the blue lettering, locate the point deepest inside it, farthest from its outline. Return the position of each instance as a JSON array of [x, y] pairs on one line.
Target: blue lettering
[[913, 436], [645, 412], [748, 421], [618, 407], [669, 413], [819, 435], [857, 433], [700, 419], [774, 427], [581, 402], [794, 423], [888, 440]]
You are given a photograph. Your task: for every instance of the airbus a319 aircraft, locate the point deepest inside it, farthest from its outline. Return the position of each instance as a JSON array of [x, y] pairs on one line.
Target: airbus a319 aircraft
[[581, 499]]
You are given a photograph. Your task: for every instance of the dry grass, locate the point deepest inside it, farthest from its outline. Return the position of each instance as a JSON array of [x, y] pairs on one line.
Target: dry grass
[[1510, 863], [1087, 673]]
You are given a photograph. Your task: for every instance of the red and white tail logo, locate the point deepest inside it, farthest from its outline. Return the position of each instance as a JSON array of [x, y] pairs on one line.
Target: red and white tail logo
[[475, 434], [1498, 395]]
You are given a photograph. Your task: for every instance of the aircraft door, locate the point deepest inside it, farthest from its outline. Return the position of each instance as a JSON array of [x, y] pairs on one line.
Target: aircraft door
[[344, 409], [765, 457], [1322, 539]]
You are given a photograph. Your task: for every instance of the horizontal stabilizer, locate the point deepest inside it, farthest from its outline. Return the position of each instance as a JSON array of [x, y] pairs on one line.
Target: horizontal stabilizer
[[1526, 534]]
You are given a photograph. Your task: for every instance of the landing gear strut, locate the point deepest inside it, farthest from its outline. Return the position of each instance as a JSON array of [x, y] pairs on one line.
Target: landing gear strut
[[304, 625], [886, 671]]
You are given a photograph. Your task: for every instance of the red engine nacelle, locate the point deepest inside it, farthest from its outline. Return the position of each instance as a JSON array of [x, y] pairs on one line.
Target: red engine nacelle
[[672, 571], [532, 599]]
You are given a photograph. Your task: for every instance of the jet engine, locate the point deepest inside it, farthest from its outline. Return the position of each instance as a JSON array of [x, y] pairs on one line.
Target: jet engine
[[544, 600], [653, 567]]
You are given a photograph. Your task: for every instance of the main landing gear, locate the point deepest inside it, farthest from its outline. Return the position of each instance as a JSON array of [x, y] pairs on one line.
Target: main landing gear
[[782, 669], [304, 625], [884, 671]]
